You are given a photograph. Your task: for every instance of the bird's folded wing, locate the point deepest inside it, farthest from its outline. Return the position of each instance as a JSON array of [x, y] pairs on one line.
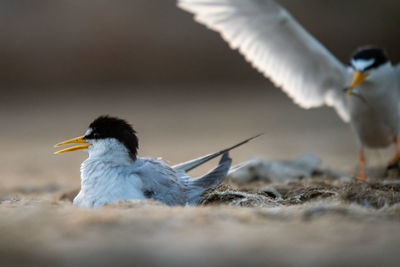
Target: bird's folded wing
[[277, 45]]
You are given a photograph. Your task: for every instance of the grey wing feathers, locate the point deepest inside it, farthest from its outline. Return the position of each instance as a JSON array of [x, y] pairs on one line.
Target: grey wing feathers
[[279, 47], [209, 181], [191, 164], [162, 183], [173, 186]]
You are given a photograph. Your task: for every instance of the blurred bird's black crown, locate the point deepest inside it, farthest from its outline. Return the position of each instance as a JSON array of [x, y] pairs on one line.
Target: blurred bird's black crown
[[371, 52]]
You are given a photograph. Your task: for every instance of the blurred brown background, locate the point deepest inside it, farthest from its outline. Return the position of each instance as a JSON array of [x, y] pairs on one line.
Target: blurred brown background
[[71, 42], [62, 63]]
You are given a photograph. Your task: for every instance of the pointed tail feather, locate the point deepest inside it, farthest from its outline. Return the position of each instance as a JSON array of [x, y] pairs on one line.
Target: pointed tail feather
[[191, 164], [209, 181]]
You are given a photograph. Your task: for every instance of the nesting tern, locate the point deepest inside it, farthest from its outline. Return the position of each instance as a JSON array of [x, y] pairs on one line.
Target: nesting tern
[[113, 171], [365, 94]]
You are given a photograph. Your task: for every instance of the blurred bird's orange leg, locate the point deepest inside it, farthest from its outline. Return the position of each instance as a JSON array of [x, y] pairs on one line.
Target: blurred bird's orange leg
[[361, 175], [397, 155]]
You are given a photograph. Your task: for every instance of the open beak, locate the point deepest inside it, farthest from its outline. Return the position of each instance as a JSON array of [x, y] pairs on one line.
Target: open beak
[[77, 140], [358, 78]]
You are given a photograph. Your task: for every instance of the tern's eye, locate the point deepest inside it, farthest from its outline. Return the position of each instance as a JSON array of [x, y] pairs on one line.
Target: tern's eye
[[92, 135]]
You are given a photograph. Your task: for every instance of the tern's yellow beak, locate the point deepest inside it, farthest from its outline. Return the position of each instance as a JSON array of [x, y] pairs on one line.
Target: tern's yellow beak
[[77, 140], [358, 78]]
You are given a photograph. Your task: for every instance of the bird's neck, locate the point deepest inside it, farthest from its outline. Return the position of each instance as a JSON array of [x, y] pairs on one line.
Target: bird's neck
[[113, 157], [110, 151]]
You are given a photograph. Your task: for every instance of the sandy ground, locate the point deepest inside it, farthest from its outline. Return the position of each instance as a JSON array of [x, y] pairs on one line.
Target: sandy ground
[[37, 227]]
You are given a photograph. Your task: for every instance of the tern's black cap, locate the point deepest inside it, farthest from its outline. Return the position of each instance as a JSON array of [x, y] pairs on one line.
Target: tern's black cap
[[112, 127], [371, 52]]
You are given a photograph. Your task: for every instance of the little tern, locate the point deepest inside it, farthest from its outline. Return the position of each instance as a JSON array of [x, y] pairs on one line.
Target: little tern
[[280, 48], [113, 171]]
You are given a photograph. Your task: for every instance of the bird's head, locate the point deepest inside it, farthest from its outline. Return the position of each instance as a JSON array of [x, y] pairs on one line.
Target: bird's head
[[105, 135], [365, 61]]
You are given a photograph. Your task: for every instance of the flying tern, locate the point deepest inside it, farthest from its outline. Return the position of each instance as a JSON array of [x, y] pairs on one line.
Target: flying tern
[[365, 93], [113, 171]]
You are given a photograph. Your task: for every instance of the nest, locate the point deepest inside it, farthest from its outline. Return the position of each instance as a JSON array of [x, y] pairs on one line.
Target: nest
[[369, 194]]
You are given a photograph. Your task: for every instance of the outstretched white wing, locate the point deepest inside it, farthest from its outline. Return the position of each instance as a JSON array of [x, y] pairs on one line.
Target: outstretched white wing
[[276, 45]]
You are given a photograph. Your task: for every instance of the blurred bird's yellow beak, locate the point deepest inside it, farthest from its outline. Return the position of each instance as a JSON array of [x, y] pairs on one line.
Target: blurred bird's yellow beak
[[358, 78], [77, 140]]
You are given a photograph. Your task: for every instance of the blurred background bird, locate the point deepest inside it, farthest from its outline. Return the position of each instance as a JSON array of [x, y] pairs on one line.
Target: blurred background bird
[[279, 47]]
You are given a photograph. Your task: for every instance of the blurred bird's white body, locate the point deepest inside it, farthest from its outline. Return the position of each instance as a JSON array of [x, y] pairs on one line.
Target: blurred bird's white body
[[376, 121]]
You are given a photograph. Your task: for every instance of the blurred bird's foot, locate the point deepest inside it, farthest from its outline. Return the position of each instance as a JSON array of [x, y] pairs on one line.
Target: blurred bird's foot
[[361, 174]]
